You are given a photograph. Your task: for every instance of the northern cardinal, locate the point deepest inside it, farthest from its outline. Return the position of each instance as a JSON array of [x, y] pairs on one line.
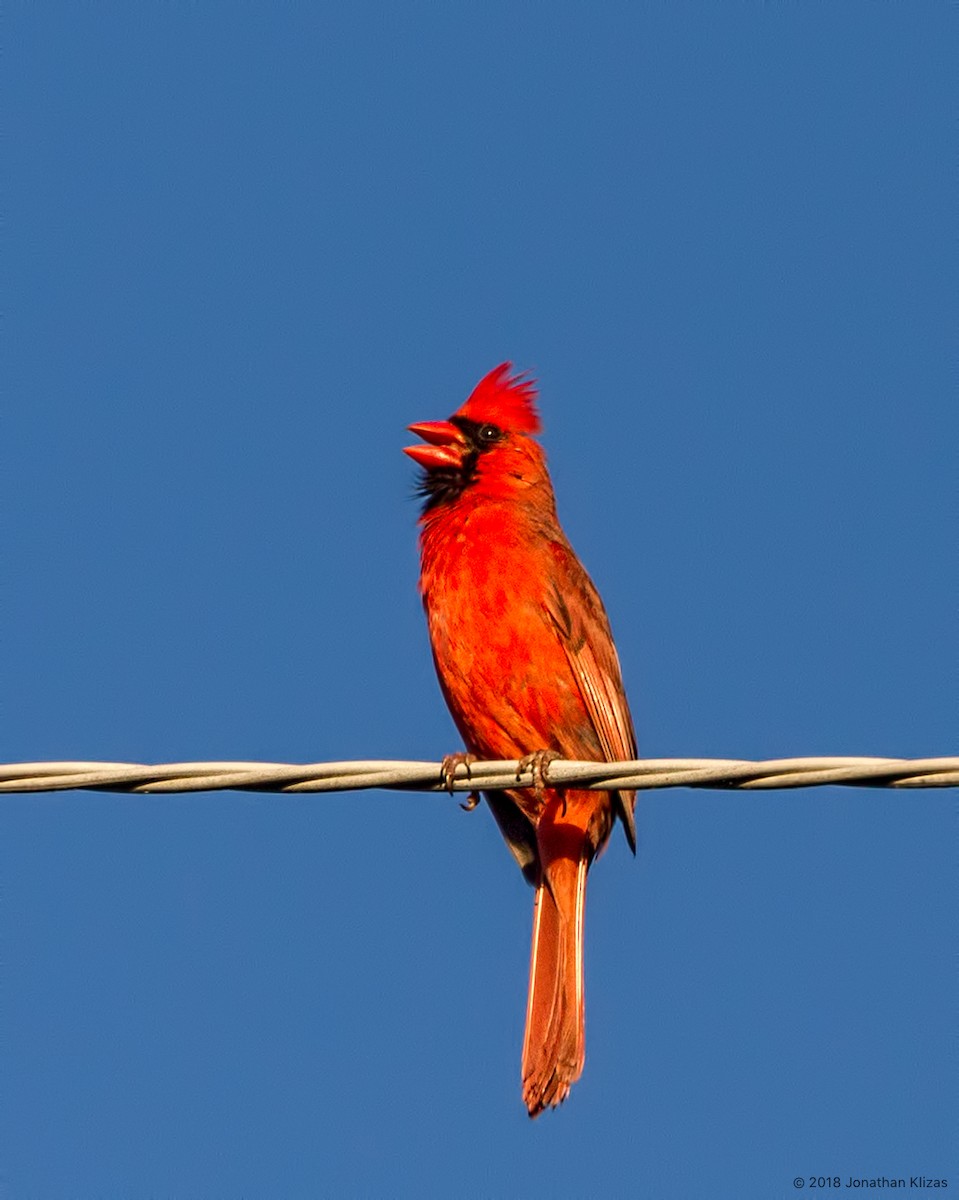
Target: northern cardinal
[[527, 665]]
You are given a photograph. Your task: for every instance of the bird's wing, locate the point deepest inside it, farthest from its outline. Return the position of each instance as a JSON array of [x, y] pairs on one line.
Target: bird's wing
[[584, 631]]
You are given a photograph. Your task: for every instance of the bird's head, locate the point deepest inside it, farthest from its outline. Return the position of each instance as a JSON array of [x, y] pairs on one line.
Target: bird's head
[[486, 448]]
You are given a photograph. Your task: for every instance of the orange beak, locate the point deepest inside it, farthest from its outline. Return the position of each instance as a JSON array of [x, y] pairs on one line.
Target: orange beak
[[445, 445]]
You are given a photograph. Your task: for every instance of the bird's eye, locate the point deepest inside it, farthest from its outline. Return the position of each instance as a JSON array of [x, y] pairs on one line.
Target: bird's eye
[[486, 435]]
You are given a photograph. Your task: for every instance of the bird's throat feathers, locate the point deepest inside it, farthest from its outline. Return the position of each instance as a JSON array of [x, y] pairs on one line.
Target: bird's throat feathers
[[513, 472], [474, 539]]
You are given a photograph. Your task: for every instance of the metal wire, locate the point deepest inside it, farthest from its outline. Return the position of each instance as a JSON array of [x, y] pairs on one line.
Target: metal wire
[[644, 773]]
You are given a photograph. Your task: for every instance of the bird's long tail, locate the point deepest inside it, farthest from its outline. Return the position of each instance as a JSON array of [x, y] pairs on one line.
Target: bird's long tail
[[554, 1049]]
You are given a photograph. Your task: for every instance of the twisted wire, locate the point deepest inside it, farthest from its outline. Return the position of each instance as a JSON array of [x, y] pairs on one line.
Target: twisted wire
[[648, 773]]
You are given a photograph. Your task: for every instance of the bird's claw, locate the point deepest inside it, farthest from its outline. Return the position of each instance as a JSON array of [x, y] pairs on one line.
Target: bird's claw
[[537, 764], [448, 771]]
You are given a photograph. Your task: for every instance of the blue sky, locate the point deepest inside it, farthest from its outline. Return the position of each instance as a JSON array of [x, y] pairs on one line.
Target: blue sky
[[245, 247]]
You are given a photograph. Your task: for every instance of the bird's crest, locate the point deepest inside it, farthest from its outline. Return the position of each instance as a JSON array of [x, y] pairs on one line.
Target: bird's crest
[[503, 399]]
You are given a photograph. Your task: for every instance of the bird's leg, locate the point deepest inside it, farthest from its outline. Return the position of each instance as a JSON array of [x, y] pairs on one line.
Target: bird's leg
[[537, 764], [448, 771]]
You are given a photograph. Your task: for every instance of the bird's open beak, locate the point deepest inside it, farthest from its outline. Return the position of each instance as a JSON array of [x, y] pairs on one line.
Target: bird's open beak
[[445, 445]]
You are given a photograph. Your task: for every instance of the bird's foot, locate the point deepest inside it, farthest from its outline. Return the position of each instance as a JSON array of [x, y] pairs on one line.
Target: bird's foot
[[448, 771], [537, 764]]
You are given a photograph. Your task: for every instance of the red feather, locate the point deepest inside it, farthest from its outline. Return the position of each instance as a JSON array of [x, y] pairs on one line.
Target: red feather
[[504, 399]]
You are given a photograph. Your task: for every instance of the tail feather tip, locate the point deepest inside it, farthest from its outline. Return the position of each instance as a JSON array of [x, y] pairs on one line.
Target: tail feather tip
[[540, 1094]]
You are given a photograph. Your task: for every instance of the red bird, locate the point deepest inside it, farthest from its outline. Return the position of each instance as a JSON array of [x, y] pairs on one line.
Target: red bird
[[527, 665]]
